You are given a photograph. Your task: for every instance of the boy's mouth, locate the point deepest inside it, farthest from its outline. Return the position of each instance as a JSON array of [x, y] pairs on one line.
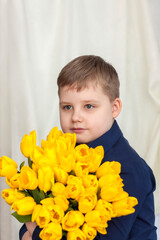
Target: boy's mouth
[[78, 130]]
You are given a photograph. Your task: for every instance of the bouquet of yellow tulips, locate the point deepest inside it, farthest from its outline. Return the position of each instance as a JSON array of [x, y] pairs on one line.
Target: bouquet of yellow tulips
[[64, 188]]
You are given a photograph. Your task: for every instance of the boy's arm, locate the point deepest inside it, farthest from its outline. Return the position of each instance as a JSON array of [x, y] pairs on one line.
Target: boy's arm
[[130, 227], [31, 227], [22, 232], [139, 225], [26, 236], [29, 231]]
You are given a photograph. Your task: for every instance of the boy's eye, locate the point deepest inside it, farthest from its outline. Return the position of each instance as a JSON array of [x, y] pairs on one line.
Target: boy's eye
[[67, 107], [89, 106]]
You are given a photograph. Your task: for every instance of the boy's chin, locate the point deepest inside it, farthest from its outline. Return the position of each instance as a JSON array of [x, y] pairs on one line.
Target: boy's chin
[[83, 141]]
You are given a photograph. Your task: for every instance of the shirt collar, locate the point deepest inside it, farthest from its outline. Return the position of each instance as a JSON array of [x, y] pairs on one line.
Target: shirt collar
[[108, 139]]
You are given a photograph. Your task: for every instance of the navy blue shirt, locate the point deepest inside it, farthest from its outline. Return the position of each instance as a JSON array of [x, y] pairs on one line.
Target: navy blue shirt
[[138, 181]]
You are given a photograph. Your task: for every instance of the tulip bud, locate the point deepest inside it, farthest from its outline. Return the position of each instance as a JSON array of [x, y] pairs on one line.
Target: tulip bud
[[11, 195], [28, 179], [24, 206], [72, 220], [77, 234], [8, 167], [90, 232], [28, 144], [41, 215], [53, 230], [45, 178]]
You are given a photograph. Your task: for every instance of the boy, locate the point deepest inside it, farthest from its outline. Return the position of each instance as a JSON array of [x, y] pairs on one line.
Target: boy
[[89, 104]]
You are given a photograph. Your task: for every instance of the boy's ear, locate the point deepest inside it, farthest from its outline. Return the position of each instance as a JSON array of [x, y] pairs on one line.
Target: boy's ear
[[116, 107]]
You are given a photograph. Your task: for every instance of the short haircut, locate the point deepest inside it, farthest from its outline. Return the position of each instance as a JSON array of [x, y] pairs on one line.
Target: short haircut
[[90, 68]]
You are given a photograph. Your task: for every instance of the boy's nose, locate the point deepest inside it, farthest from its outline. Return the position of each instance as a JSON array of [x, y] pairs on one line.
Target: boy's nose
[[77, 116]]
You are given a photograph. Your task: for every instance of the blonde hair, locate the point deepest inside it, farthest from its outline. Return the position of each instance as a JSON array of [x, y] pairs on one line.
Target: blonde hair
[[90, 68]]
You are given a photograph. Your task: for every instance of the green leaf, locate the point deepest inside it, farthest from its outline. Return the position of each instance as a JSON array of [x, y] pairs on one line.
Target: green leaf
[[21, 165], [72, 173], [25, 192], [98, 192], [73, 204], [37, 194], [50, 195], [69, 209], [64, 233], [30, 162], [42, 194], [22, 219]]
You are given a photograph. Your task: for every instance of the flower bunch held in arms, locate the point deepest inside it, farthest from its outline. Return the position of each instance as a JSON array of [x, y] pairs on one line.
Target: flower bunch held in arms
[[64, 188]]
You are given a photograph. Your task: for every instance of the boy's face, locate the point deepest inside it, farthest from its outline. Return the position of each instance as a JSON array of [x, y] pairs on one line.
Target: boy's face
[[88, 112]]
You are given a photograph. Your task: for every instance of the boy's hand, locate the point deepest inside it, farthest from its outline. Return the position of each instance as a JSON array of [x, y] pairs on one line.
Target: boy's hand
[[27, 236], [30, 227]]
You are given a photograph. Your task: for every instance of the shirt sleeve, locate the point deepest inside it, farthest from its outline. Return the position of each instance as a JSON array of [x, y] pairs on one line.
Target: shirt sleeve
[[35, 234], [143, 227], [22, 231], [139, 225]]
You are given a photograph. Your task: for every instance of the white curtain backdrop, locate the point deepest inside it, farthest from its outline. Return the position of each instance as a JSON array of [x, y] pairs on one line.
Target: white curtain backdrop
[[38, 37]]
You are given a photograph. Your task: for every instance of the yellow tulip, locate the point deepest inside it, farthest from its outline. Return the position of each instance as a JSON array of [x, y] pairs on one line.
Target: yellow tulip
[[70, 139], [101, 230], [24, 206], [82, 153], [27, 179], [60, 175], [87, 202], [62, 201], [121, 195], [90, 183], [96, 218], [96, 156], [45, 156], [124, 206], [72, 220], [38, 152], [67, 160], [52, 231], [47, 201], [110, 193], [51, 154], [66, 142], [56, 212], [114, 193], [45, 178], [58, 189], [76, 234], [81, 169], [58, 200], [41, 215], [108, 168], [105, 207], [13, 182], [74, 187], [8, 167], [11, 195], [111, 187], [90, 232], [42, 161], [28, 144], [54, 134], [92, 156], [111, 180], [46, 144]]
